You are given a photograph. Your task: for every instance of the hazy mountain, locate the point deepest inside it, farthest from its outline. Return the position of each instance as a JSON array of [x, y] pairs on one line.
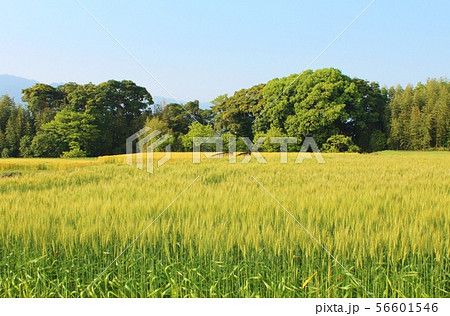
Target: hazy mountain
[[13, 86]]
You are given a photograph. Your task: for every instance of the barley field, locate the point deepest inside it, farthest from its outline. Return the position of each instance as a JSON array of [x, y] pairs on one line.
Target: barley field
[[385, 217]]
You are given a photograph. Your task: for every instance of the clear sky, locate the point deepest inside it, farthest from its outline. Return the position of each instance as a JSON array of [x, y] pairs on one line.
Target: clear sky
[[201, 49]]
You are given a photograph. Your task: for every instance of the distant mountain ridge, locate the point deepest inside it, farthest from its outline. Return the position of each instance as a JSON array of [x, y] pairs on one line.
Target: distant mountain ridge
[[13, 86]]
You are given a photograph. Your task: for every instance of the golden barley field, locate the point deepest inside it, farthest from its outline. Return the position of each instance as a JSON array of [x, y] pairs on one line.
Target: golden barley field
[[385, 217]]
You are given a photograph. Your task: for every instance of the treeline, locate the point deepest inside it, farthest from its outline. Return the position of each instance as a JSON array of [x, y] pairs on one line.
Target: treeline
[[73, 120], [341, 113], [420, 116]]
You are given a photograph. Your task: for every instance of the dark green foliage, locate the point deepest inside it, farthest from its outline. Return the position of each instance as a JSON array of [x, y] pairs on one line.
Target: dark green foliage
[[378, 141], [321, 104], [236, 114], [6, 106], [73, 131], [338, 144], [74, 152], [97, 119], [198, 130], [325, 102], [370, 117], [43, 102], [119, 108], [2, 140], [5, 153], [420, 116], [17, 126], [46, 145], [25, 146], [176, 119]]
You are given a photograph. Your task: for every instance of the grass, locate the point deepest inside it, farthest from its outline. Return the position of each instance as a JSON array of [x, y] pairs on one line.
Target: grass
[[412, 153], [34, 164], [385, 218]]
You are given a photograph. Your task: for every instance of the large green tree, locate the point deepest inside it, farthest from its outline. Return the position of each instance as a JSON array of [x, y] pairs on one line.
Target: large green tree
[[318, 103], [69, 130], [44, 101], [369, 122], [120, 109], [236, 114], [177, 118], [198, 130], [324, 103]]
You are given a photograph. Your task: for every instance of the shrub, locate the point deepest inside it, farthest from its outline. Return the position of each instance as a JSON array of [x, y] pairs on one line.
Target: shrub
[[74, 153], [340, 143], [198, 130]]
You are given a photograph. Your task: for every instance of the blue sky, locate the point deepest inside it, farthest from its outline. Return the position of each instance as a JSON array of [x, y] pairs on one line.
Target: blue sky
[[201, 49]]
